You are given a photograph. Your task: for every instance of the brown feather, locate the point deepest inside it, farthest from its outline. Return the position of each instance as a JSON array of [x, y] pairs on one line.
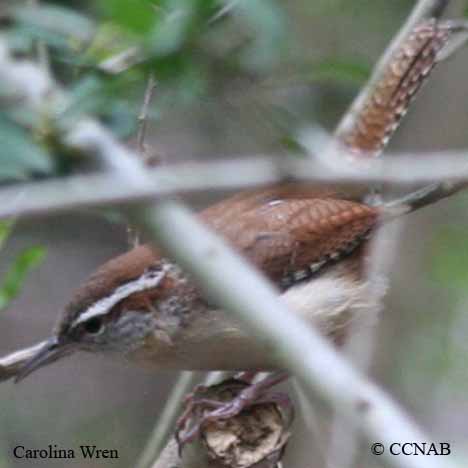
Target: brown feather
[[405, 74], [280, 229], [287, 235]]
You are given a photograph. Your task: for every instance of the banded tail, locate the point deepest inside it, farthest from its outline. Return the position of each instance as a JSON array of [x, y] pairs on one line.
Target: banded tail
[[405, 74]]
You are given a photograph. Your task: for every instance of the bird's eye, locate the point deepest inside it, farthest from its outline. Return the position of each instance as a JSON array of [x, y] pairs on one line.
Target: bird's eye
[[93, 325]]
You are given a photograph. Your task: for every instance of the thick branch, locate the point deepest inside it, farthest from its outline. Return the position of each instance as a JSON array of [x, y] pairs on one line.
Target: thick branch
[[77, 192]]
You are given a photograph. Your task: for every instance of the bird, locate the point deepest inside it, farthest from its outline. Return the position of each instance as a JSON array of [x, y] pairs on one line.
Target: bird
[[310, 242]]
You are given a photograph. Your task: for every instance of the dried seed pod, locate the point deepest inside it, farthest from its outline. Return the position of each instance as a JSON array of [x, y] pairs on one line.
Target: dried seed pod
[[254, 438]]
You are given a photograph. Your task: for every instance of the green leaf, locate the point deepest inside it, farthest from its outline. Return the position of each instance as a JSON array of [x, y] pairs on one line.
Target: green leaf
[[171, 34], [56, 20], [20, 156], [136, 16], [109, 40], [84, 97], [6, 227], [25, 262]]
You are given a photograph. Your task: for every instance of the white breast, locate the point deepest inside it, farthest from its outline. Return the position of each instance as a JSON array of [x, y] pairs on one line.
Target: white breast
[[331, 300]]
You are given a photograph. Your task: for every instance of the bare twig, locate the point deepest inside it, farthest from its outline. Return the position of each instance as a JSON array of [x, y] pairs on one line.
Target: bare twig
[[196, 454], [311, 414], [426, 196], [154, 451], [460, 37], [143, 116], [224, 10], [165, 425], [169, 457], [122, 61], [132, 233]]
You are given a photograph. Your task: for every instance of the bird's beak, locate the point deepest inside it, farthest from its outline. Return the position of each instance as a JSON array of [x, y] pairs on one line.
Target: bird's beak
[[49, 351]]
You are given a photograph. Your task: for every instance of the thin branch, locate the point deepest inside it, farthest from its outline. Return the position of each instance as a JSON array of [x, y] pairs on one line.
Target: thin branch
[[122, 61], [169, 457], [426, 196], [165, 425], [132, 233], [256, 437], [312, 416], [224, 10], [159, 443], [143, 116]]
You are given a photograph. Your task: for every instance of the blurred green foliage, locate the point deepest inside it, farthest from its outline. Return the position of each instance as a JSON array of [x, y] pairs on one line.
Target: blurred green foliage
[[59, 26], [21, 157], [5, 231], [198, 50], [27, 260], [24, 262], [449, 257]]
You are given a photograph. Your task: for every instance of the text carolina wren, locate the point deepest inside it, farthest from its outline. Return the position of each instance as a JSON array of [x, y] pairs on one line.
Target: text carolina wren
[[309, 242]]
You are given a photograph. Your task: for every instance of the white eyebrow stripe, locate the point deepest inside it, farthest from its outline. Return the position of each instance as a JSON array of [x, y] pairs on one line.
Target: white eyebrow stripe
[[148, 280]]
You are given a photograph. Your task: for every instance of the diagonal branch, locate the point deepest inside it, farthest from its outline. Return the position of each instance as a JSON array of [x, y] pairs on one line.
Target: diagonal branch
[[163, 429]]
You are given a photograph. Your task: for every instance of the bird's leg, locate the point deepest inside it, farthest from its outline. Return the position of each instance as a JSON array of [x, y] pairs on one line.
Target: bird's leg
[[205, 409], [191, 402]]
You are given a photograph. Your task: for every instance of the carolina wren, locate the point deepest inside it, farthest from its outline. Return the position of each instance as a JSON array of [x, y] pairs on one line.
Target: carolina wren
[[308, 242]]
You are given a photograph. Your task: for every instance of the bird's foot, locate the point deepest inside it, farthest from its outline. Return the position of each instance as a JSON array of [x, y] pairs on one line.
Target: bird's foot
[[225, 401]]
